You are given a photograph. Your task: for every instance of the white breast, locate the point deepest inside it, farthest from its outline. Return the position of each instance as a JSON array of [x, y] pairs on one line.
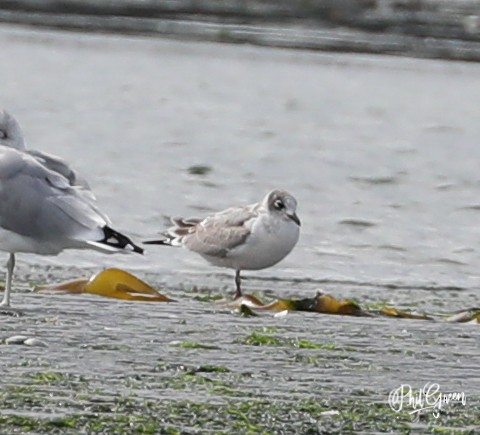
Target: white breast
[[270, 242]]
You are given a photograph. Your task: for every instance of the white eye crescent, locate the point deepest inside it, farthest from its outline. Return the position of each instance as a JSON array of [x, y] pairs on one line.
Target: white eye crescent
[[278, 204]]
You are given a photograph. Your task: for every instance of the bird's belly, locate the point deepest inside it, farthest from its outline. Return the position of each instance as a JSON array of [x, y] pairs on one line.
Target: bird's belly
[[264, 248], [13, 243]]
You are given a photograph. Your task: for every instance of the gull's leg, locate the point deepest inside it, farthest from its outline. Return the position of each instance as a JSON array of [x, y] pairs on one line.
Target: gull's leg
[[238, 293], [8, 282], [5, 304]]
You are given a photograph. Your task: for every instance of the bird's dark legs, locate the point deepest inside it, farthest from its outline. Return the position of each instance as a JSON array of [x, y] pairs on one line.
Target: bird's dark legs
[[238, 293]]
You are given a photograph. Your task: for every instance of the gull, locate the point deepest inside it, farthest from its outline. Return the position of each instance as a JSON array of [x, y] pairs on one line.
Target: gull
[[11, 136], [252, 237], [46, 207]]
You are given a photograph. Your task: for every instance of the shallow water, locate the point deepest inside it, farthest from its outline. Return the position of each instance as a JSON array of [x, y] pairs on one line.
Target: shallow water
[[382, 154]]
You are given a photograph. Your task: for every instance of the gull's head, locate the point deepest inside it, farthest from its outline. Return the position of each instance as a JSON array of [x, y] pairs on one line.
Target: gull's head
[[282, 204], [10, 132]]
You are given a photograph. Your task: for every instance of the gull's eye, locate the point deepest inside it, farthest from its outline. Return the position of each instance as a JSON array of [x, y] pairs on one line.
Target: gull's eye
[[3, 135], [278, 204]]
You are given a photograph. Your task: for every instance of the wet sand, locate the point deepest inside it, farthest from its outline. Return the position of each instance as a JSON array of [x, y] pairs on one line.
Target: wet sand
[[382, 155]]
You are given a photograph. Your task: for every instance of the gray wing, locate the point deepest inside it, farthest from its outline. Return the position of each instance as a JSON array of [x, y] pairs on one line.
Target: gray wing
[[40, 203], [220, 233], [60, 166]]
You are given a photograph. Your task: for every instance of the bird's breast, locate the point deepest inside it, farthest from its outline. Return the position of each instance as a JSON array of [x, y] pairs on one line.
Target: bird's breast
[[269, 243]]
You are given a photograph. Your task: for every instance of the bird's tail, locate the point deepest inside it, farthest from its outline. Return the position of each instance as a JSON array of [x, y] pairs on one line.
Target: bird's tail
[[114, 241], [166, 241], [174, 235]]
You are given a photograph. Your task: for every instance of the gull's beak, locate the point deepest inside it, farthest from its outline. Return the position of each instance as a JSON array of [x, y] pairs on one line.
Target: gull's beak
[[294, 218]]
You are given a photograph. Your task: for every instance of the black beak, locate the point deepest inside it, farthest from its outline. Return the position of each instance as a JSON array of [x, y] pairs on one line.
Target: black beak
[[294, 218]]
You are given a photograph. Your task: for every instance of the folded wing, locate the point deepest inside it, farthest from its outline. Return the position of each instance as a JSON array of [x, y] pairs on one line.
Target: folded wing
[[218, 234], [40, 203]]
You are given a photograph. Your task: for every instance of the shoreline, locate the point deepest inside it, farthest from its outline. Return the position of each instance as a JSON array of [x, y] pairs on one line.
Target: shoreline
[[450, 32]]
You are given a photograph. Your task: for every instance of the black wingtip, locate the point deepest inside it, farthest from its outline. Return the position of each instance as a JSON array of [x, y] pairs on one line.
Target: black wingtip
[[118, 240], [137, 249]]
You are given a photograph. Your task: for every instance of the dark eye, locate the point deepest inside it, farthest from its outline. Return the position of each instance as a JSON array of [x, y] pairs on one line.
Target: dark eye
[[278, 204]]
